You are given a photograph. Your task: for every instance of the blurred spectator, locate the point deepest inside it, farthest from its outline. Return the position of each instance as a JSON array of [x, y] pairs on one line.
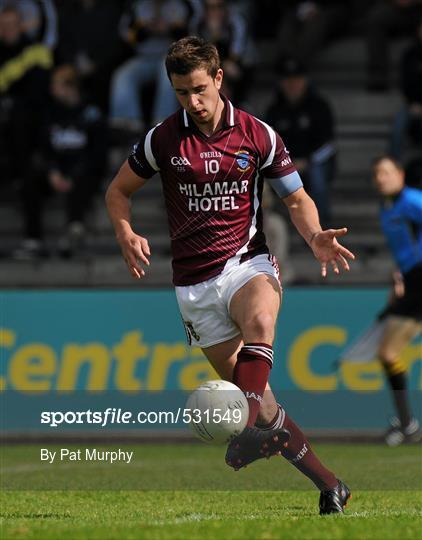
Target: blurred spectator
[[277, 234], [89, 39], [408, 122], [265, 17], [306, 27], [73, 161], [305, 121], [149, 26], [24, 68], [226, 28], [385, 19], [39, 19]]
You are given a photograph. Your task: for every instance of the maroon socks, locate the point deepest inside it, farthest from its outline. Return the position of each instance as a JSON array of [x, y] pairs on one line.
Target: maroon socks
[[300, 454], [251, 372]]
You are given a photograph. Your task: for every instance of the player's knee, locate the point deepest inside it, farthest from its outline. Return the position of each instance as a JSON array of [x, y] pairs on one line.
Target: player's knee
[[261, 326], [387, 356]]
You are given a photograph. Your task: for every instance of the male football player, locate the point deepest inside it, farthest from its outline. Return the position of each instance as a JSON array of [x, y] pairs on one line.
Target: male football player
[[213, 159]]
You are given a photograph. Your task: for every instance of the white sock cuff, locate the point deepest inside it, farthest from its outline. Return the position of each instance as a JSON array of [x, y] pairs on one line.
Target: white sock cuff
[[261, 350]]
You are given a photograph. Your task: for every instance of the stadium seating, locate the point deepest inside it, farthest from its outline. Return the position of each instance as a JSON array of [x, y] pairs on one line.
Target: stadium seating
[[363, 126]]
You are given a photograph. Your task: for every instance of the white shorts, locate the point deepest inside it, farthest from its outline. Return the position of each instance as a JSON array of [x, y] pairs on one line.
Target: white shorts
[[205, 307]]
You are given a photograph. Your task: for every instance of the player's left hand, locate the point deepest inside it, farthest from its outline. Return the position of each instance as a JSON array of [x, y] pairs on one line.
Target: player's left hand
[[328, 251]]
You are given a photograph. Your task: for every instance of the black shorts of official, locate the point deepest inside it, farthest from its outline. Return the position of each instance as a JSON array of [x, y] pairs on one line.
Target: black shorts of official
[[410, 304]]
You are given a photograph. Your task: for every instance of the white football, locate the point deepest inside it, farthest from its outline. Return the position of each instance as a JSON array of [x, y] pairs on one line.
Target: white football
[[217, 411]]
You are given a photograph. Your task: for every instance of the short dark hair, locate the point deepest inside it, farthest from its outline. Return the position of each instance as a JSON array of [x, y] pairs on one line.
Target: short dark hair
[[191, 53], [387, 157]]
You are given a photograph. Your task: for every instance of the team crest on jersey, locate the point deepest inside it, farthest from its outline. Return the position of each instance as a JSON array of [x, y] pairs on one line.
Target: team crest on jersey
[[242, 160]]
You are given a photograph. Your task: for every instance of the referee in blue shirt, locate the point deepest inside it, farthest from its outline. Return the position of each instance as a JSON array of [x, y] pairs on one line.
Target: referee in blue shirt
[[401, 222]]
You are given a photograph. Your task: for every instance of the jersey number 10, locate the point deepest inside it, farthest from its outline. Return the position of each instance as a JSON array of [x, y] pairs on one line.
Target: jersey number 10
[[212, 166]]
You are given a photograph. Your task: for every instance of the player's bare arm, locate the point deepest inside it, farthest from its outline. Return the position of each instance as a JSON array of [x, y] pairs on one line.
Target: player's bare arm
[[324, 244], [135, 248]]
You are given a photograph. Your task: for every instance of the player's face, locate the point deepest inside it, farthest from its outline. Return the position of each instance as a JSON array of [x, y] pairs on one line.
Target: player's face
[[198, 93], [388, 179]]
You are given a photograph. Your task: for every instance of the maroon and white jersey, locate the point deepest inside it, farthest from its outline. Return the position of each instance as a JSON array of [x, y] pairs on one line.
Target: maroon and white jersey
[[212, 188]]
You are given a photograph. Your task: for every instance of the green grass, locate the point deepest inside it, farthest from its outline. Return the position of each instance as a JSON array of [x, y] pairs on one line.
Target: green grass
[[268, 500]]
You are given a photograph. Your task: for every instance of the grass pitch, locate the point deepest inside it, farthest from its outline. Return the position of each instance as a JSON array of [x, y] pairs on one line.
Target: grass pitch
[[197, 497]]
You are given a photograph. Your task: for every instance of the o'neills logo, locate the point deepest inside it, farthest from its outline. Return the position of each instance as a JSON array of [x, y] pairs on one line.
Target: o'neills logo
[[213, 196], [252, 395], [300, 454]]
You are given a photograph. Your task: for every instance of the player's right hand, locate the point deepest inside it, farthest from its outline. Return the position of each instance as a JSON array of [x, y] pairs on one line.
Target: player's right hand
[[327, 250], [135, 250]]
